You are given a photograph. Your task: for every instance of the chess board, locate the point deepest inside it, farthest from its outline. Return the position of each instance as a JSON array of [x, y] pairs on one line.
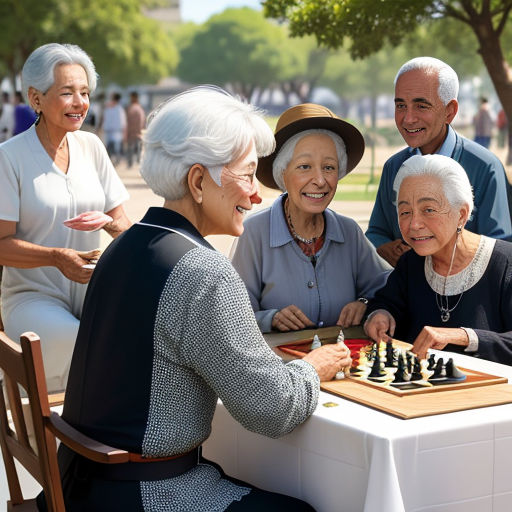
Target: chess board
[[478, 389]]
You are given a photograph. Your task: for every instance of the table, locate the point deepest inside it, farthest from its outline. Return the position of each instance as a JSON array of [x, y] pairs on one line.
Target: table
[[351, 458]]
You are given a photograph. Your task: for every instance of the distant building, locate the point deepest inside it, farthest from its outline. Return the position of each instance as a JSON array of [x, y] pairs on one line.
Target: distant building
[[169, 14]]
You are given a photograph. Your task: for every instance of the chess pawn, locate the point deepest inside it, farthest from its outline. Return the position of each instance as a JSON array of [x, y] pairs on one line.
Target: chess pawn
[[345, 370], [390, 355], [439, 370], [316, 342], [416, 374], [401, 374], [376, 367]]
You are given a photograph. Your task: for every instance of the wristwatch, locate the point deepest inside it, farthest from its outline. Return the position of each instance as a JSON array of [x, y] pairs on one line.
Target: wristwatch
[[364, 300]]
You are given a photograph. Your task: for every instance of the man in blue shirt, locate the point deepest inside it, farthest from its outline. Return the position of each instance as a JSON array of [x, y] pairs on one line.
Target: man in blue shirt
[[425, 104]]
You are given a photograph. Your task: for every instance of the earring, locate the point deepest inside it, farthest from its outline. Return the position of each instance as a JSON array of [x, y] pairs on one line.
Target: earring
[[459, 230], [38, 117]]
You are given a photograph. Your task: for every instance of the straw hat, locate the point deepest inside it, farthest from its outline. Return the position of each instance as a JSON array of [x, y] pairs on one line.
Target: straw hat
[[310, 116]]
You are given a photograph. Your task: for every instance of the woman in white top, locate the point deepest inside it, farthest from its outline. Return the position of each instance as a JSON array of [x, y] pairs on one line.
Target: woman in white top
[[58, 188]]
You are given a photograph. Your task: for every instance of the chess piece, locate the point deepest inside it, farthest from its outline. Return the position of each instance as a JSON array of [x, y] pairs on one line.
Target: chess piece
[[345, 371], [316, 342], [377, 371], [416, 374], [439, 370], [431, 362], [401, 374], [452, 372], [390, 355]]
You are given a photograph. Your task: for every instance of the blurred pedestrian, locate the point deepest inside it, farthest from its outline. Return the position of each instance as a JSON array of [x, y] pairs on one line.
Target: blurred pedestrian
[[502, 125], [114, 127], [6, 117], [24, 116], [136, 121], [483, 124]]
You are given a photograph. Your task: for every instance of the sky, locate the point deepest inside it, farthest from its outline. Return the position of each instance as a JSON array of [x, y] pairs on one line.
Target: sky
[[199, 11]]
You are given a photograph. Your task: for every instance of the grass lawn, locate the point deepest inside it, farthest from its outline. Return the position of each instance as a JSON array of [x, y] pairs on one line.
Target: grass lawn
[[357, 187]]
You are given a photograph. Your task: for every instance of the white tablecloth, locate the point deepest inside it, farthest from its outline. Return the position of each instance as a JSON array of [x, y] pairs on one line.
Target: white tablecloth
[[351, 458]]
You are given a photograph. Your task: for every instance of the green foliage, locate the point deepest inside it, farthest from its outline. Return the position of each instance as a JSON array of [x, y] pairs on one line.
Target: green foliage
[[368, 23], [125, 46], [237, 47]]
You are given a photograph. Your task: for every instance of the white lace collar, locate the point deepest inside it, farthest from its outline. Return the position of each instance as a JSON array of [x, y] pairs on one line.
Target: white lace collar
[[467, 277]]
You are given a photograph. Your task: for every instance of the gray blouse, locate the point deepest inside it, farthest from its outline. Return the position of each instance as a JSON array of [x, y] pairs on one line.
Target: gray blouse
[[277, 273]]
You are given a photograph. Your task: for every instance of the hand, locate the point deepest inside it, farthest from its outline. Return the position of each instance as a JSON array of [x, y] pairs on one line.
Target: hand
[[329, 359], [379, 325], [391, 251], [351, 314], [88, 221], [71, 262], [438, 338], [291, 318]]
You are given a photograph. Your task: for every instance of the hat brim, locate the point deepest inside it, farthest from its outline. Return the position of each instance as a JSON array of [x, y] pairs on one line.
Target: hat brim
[[352, 137]]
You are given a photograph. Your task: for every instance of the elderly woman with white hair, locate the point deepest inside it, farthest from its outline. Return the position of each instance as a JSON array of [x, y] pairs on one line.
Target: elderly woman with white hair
[[57, 189], [453, 290], [302, 263], [168, 327]]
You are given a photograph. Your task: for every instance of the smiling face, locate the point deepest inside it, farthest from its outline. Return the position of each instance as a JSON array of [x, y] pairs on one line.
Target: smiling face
[[65, 104], [427, 221], [420, 115], [311, 176], [225, 207]]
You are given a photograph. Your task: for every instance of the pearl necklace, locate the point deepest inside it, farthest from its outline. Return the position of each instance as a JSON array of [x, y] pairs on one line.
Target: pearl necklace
[[295, 235]]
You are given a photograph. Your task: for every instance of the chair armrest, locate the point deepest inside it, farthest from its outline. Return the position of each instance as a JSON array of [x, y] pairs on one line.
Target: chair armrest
[[83, 445]]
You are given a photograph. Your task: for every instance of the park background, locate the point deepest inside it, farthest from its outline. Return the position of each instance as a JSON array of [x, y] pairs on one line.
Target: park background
[[277, 53]]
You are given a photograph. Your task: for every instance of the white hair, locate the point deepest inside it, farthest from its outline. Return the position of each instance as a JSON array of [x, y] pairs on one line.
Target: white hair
[[448, 89], [285, 154], [454, 180], [39, 69], [203, 125]]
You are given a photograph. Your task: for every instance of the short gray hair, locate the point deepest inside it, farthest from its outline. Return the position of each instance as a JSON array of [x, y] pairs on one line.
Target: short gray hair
[[285, 154], [39, 69], [203, 125], [454, 180], [448, 89]]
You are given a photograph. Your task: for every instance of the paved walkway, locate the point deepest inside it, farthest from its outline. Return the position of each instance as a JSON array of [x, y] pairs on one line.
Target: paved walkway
[[141, 198]]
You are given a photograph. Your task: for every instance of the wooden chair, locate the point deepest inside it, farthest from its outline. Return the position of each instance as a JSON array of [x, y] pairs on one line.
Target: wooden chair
[[23, 368]]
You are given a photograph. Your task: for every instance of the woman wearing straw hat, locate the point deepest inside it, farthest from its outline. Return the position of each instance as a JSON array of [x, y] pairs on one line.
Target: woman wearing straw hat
[[302, 263]]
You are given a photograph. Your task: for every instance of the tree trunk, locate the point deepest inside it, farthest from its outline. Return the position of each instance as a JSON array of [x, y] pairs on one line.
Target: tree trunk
[[495, 62]]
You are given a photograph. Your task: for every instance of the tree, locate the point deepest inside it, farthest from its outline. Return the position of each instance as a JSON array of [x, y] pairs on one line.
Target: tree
[[369, 24], [238, 48], [125, 46], [303, 65]]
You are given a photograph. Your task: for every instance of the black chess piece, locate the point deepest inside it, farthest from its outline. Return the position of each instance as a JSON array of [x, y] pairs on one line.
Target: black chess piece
[[390, 355], [452, 372], [431, 362], [400, 374], [416, 373], [439, 370], [377, 371]]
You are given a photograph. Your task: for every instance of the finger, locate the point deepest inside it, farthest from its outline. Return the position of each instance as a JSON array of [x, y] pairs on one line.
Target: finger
[[299, 315], [294, 323], [287, 320], [392, 326]]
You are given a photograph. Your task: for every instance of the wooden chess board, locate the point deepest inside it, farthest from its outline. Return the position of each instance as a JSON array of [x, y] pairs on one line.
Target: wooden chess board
[[477, 390]]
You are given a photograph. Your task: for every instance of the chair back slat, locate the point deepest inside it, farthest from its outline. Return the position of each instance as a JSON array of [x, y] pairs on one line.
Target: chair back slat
[[15, 401], [24, 373], [28, 428]]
